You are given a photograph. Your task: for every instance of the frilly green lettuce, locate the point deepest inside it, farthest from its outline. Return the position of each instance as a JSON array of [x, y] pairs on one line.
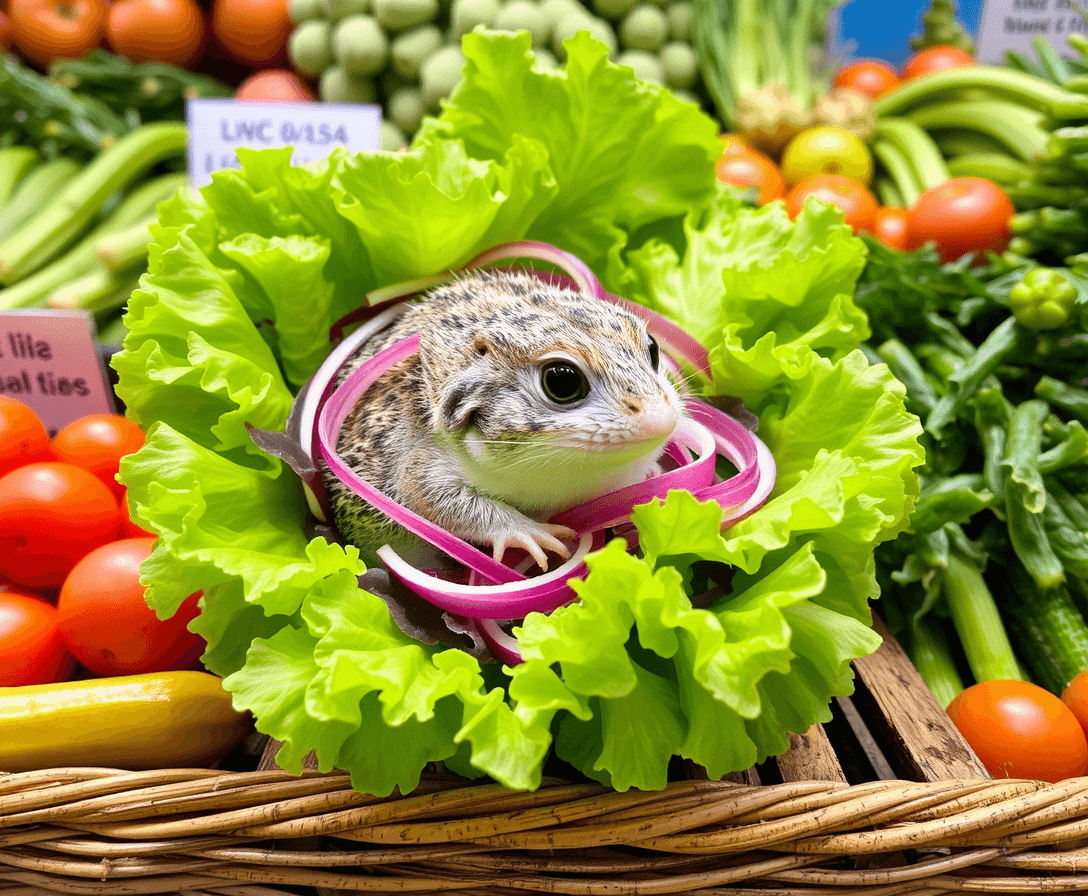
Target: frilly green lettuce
[[233, 315]]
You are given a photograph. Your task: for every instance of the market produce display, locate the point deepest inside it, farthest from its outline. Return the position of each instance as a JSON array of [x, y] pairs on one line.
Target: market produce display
[[581, 160]]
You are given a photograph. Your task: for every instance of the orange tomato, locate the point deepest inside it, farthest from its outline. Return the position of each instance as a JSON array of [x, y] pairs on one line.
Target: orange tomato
[[872, 77], [253, 32], [936, 59], [31, 649], [1020, 730], [106, 623], [858, 205], [129, 529], [275, 85], [97, 443], [5, 31], [51, 515], [1075, 696], [23, 439], [49, 29], [745, 167], [961, 215], [890, 226], [165, 30]]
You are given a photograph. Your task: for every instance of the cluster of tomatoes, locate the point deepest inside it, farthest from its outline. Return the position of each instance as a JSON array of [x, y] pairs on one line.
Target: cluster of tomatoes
[[961, 215], [70, 557]]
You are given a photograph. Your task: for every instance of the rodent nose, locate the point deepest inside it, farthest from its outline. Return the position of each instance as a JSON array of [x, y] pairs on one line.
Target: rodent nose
[[658, 420]]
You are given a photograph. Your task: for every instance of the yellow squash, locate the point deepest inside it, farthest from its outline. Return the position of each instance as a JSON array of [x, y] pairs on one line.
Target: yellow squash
[[158, 720]]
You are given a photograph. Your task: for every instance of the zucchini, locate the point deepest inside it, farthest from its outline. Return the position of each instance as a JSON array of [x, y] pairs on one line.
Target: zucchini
[[157, 720]]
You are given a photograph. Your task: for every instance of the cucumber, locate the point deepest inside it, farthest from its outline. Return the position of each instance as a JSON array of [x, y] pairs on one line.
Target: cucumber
[[309, 48], [399, 15], [647, 66], [522, 15], [678, 62], [337, 85], [405, 107], [360, 46], [410, 49]]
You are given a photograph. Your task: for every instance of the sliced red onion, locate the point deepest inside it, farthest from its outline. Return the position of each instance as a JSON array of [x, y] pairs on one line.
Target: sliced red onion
[[579, 272], [600, 513], [510, 600], [767, 472], [330, 421], [502, 644]]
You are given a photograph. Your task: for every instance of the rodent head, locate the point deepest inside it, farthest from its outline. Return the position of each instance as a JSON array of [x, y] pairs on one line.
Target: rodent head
[[548, 397]]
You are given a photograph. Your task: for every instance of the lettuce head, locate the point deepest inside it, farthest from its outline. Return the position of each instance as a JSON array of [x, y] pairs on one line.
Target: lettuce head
[[651, 662]]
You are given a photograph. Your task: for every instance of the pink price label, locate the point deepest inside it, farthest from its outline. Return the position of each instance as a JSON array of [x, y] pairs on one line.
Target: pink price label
[[50, 361]]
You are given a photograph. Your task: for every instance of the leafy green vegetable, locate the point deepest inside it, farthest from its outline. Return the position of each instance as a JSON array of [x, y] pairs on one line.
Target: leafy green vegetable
[[637, 671]]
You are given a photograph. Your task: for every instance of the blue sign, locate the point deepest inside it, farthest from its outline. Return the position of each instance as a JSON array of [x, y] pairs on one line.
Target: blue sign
[[882, 29]]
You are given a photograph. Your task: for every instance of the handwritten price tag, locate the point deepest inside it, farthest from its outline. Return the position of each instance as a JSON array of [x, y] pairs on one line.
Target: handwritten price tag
[[1014, 24], [218, 127], [49, 360]]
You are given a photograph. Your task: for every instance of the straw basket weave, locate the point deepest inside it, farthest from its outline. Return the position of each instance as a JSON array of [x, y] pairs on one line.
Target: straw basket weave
[[884, 799]]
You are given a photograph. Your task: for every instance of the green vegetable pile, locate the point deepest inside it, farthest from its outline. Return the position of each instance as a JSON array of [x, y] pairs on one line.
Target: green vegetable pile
[[651, 662], [993, 571], [85, 156], [407, 53]]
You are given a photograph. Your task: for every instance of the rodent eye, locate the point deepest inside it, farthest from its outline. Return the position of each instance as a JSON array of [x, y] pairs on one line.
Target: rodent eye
[[655, 352], [563, 382]]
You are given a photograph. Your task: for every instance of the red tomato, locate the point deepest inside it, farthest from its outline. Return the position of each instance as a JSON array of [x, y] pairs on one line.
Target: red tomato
[[858, 205], [129, 529], [253, 32], [106, 623], [5, 31], [1020, 730], [166, 30], [47, 29], [51, 515], [97, 443], [1075, 696], [936, 59], [964, 214], [23, 439], [744, 167], [31, 649], [275, 85], [890, 226], [869, 76]]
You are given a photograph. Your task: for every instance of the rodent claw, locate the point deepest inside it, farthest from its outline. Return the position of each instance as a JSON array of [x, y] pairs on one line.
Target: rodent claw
[[535, 543]]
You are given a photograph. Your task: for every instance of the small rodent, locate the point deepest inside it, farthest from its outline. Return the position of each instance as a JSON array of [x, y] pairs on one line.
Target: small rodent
[[524, 399]]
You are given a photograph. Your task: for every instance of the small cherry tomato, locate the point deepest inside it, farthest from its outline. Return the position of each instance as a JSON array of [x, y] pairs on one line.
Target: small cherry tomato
[[1075, 696], [1020, 730], [275, 85], [890, 226], [826, 150], [49, 29], [858, 205], [165, 30], [23, 439], [743, 167], [936, 59], [105, 621], [51, 515], [97, 443], [129, 529], [961, 215], [31, 649], [872, 77]]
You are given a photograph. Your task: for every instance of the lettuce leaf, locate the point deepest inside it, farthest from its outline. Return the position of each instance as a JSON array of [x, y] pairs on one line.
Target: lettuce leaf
[[638, 670]]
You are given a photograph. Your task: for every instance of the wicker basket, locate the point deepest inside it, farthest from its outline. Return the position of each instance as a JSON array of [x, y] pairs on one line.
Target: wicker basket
[[884, 799]]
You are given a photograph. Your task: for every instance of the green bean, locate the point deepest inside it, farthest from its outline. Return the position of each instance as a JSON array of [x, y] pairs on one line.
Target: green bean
[[1070, 399], [992, 423]]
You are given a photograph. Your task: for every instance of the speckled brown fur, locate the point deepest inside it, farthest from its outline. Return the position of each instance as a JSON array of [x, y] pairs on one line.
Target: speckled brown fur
[[482, 340]]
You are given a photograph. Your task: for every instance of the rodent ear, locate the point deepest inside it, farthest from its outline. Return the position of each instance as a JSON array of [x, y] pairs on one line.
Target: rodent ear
[[482, 346], [461, 397]]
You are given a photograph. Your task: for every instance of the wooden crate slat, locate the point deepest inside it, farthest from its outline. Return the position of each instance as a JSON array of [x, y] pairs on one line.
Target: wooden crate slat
[[810, 758]]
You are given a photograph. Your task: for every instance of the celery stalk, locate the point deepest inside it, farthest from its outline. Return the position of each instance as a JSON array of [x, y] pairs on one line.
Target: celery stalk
[[932, 658], [978, 622]]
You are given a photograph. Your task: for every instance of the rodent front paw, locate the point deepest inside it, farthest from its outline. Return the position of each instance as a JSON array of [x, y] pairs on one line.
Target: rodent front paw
[[536, 538]]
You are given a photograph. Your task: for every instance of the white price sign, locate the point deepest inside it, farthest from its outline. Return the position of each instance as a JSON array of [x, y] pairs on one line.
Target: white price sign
[[1014, 24], [217, 128]]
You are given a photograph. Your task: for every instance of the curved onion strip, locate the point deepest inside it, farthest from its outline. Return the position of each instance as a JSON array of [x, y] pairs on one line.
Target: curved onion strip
[[767, 473], [578, 271], [736, 443], [330, 421], [542, 593], [317, 391], [501, 644], [616, 506], [407, 289]]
